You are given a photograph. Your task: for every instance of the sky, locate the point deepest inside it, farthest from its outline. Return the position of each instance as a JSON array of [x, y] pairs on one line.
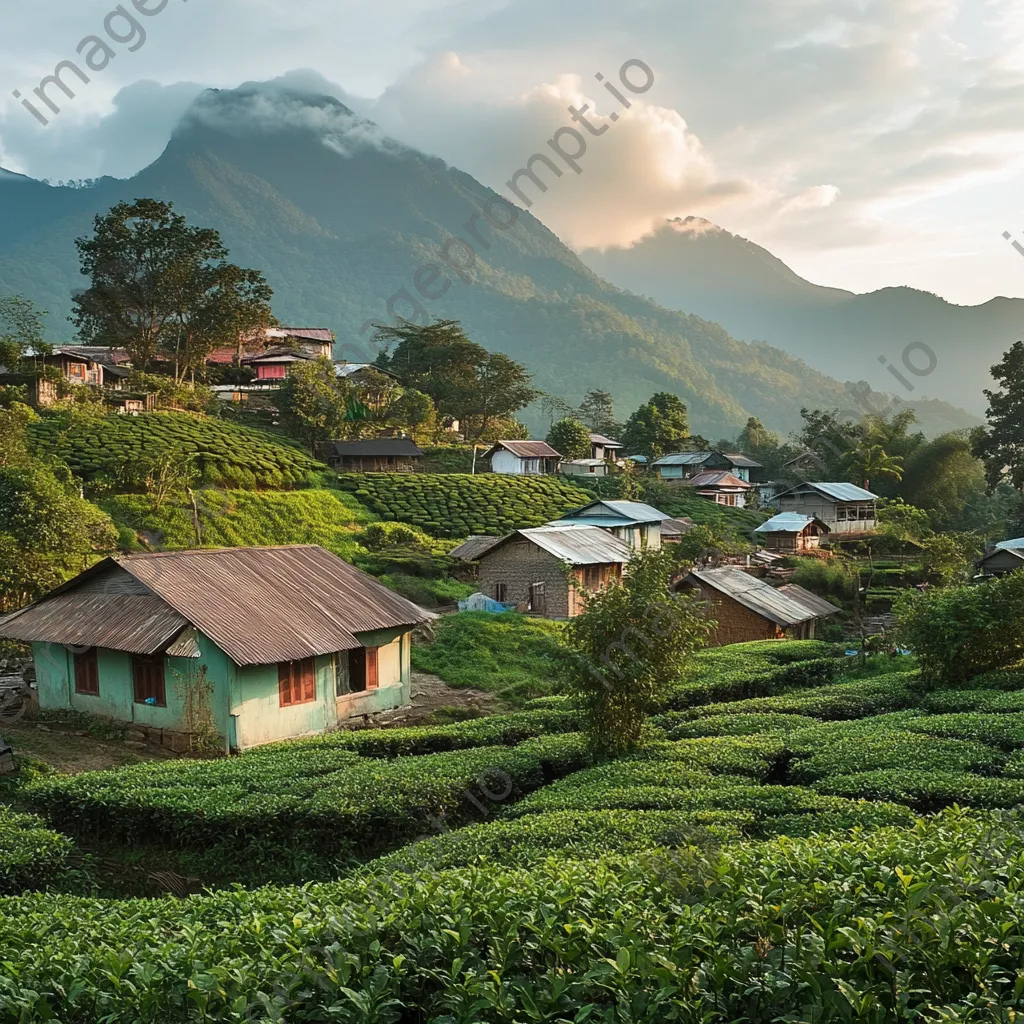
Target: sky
[[867, 143]]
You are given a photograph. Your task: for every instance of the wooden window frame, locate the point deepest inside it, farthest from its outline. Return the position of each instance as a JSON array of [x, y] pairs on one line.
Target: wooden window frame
[[501, 593], [87, 673], [296, 682], [149, 680]]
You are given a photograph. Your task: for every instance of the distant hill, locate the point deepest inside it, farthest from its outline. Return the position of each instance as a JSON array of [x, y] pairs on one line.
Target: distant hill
[[340, 218], [692, 264]]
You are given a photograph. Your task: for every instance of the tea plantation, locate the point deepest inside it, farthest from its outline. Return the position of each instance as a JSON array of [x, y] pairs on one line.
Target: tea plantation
[[796, 841], [457, 505], [226, 455]]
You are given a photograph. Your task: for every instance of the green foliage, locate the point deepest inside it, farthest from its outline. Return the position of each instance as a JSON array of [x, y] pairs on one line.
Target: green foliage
[[632, 641], [1001, 730], [21, 330], [329, 518], [31, 855], [225, 454], [657, 428], [1000, 446], [571, 439], [960, 632], [456, 505], [827, 577], [949, 557], [926, 790], [316, 402]]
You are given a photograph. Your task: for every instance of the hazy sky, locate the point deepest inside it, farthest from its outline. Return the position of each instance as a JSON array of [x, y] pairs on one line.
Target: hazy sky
[[866, 142]]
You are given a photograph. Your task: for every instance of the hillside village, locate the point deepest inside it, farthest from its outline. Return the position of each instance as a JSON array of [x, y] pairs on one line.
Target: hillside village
[[410, 637]]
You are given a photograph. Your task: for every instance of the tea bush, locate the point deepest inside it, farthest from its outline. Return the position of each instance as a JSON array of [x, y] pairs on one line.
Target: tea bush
[[31, 855], [1003, 730], [225, 454], [926, 790], [457, 505]]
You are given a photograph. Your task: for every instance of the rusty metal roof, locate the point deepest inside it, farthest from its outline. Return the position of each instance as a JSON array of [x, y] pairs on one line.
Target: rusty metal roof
[[779, 607], [816, 604], [471, 549], [266, 605], [122, 622], [526, 449], [717, 478]]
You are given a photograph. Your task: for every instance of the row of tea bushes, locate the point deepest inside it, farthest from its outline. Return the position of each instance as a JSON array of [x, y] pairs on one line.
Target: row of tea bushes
[[457, 505], [32, 856], [899, 924], [225, 454]]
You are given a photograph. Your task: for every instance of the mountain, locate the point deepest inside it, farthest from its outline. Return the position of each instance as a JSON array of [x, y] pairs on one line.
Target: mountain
[[692, 264], [341, 219]]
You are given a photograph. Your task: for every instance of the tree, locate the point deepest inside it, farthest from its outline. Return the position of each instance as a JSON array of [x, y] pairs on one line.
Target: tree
[[658, 427], [500, 389], [902, 522], [158, 285], [949, 557], [1001, 446], [830, 438], [870, 461], [571, 439], [21, 330], [945, 477], [316, 402], [632, 642], [597, 411]]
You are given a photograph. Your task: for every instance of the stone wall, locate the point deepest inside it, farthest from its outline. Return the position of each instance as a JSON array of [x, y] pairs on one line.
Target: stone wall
[[736, 623], [520, 564]]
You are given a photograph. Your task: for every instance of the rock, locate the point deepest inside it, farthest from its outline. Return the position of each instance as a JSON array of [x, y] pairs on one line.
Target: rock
[[135, 735], [43, 728], [135, 743]]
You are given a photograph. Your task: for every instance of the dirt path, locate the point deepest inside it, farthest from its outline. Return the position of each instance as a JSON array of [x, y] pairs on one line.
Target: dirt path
[[430, 694]]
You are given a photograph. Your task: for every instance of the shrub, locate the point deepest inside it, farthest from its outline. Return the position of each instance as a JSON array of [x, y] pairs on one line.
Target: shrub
[[457, 505], [1002, 730], [31, 855], [680, 728], [960, 632], [926, 790], [829, 578]]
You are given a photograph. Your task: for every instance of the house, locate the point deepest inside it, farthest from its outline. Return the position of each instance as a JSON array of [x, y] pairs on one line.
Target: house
[[604, 448], [523, 458], [1006, 557], [384, 455], [791, 533], [805, 462], [266, 643], [473, 547], [306, 343], [277, 361], [683, 466], [843, 508], [586, 467], [90, 364], [637, 525], [528, 568], [721, 487], [746, 608], [673, 530], [361, 373]]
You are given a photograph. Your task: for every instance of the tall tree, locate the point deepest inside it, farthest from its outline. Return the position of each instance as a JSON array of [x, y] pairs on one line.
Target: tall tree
[[571, 439], [316, 404], [870, 461], [597, 411], [500, 388], [1001, 446], [658, 427], [21, 330], [159, 285]]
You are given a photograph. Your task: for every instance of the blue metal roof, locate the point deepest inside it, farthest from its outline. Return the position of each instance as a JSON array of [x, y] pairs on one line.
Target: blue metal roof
[[1017, 544], [837, 491], [786, 522], [603, 522], [632, 512], [685, 459]]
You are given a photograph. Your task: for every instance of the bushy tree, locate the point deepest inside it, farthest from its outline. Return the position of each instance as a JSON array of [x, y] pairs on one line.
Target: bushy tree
[[1001, 446], [571, 439], [960, 632], [949, 557], [868, 462], [21, 330], [659, 427], [634, 639], [597, 411], [316, 403]]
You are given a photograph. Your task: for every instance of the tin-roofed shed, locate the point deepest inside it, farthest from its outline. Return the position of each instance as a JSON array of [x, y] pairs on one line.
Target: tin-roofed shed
[[273, 642]]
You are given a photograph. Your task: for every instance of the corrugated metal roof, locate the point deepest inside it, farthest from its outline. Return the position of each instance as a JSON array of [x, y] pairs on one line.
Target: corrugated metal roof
[[601, 522], [579, 545], [266, 605], [122, 622], [786, 522], [607, 442], [346, 369], [1017, 544], [306, 333], [630, 511], [470, 550], [526, 449], [384, 447], [685, 459], [755, 594], [717, 478], [741, 461], [836, 491], [676, 527], [818, 605]]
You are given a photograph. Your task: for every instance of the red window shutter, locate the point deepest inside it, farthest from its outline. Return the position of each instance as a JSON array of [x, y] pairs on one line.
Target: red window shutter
[[372, 678], [87, 675], [309, 680], [296, 682], [148, 680]]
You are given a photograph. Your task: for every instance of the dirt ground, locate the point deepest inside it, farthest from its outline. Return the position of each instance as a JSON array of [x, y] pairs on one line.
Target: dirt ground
[[72, 752], [431, 694]]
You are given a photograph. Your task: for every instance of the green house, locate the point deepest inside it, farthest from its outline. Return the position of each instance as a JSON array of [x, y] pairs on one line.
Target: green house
[[251, 645]]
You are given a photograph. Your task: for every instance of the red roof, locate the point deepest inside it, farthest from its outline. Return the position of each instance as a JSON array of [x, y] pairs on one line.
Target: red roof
[[526, 449], [307, 333], [717, 478]]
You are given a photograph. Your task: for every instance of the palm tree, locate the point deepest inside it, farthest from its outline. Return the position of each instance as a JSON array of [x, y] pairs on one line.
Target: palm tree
[[870, 461]]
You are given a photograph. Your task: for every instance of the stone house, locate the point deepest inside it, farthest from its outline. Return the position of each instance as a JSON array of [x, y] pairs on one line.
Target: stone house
[[533, 569], [262, 644], [746, 608]]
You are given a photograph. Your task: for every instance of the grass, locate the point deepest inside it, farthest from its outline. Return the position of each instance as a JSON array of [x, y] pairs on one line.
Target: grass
[[508, 654]]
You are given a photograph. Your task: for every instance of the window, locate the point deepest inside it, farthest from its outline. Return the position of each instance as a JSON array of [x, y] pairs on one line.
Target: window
[[271, 371], [148, 680], [841, 513], [87, 673], [363, 669], [76, 370], [296, 682], [592, 577], [501, 592], [538, 599]]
